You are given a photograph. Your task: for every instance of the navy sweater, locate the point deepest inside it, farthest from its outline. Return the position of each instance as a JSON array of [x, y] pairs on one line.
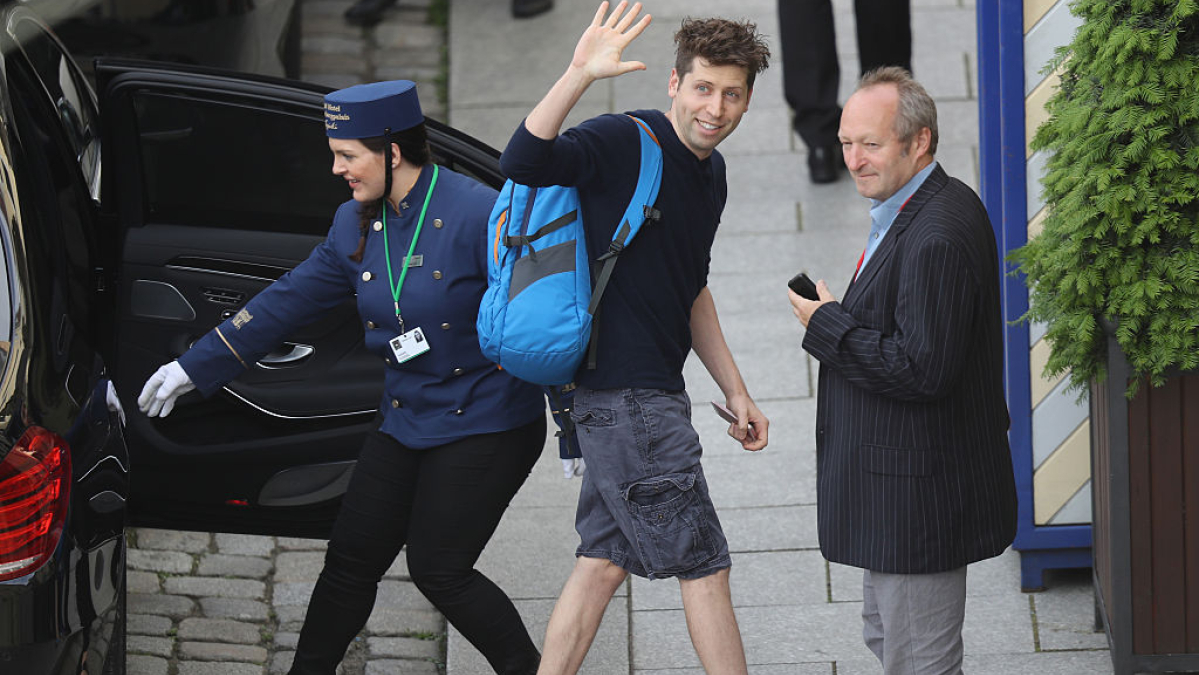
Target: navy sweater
[[644, 332]]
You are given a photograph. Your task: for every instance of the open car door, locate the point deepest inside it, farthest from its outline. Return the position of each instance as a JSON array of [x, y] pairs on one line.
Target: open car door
[[218, 185]]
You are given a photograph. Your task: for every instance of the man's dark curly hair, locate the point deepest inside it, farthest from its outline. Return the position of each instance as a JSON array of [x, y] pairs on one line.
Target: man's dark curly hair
[[721, 42]]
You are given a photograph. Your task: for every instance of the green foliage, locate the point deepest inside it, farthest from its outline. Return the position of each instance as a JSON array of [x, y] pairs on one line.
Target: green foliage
[[1121, 237]]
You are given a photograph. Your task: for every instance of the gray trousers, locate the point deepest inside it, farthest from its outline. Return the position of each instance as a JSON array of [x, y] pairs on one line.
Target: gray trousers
[[913, 622]]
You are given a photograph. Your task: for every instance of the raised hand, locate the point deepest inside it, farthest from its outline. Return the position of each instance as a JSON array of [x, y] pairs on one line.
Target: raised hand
[[599, 51]]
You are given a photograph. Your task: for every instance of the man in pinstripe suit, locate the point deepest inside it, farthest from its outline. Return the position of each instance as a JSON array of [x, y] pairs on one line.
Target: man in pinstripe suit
[[914, 472]]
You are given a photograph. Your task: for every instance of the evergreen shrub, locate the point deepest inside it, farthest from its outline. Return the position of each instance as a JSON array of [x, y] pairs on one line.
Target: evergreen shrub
[[1120, 243]]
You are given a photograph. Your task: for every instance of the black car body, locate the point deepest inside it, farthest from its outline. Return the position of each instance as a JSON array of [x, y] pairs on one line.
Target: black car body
[[211, 185]]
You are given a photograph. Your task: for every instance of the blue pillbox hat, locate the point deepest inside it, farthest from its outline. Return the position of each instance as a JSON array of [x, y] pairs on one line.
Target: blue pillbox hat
[[366, 110]]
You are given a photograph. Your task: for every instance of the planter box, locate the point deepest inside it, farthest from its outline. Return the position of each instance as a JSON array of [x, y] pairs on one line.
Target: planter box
[[1145, 463]]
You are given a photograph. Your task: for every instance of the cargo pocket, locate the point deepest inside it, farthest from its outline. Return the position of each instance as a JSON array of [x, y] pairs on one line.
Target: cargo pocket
[[672, 535], [594, 417]]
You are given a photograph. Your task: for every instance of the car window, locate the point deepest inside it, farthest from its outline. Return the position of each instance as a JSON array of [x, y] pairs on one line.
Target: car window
[[239, 165]]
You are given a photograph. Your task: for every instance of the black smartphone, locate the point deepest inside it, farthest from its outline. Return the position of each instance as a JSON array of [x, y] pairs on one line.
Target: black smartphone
[[803, 286]]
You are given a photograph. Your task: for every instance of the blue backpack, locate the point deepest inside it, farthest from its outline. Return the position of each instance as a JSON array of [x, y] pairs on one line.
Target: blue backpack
[[535, 320]]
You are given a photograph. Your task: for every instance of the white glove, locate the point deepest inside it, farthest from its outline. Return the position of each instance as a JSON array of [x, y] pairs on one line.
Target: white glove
[[114, 403], [164, 386]]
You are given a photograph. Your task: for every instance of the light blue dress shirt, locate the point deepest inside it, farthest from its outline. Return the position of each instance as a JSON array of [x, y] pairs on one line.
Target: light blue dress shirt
[[883, 213]]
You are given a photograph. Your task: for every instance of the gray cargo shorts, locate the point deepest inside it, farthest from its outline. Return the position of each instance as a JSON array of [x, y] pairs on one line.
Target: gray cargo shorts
[[644, 501]]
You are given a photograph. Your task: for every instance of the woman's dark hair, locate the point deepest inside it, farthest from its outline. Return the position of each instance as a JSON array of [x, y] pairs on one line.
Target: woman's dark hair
[[414, 147]]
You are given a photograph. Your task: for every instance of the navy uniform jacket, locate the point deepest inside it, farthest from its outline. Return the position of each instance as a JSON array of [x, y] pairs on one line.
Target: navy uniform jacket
[[443, 395], [914, 472]]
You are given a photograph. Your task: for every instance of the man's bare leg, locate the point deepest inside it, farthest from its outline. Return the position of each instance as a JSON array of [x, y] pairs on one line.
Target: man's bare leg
[[708, 606], [578, 613]]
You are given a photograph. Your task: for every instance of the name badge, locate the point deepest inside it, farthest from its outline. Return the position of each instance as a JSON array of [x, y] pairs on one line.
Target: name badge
[[415, 261], [408, 346]]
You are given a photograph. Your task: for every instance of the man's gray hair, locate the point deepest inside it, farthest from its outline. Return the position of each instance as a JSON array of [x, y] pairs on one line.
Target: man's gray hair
[[916, 108]]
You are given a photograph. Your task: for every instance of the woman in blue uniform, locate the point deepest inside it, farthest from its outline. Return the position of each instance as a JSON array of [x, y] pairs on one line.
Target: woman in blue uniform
[[457, 438]]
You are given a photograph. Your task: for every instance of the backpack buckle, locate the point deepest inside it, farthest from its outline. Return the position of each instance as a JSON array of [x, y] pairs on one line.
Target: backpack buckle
[[614, 250], [651, 213]]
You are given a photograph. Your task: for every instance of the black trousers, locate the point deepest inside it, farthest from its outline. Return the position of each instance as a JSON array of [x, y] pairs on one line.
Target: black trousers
[[444, 503], [811, 72]]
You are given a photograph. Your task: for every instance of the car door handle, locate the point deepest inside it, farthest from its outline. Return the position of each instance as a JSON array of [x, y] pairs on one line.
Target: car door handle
[[289, 355]]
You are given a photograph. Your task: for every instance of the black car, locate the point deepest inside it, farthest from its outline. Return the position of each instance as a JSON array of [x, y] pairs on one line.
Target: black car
[[131, 223]]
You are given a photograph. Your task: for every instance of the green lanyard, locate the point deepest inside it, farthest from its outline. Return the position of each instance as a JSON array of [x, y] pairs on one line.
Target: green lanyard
[[395, 288]]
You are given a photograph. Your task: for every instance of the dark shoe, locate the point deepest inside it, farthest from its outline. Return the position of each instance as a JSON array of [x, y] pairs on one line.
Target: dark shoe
[[367, 12], [825, 163], [523, 9]]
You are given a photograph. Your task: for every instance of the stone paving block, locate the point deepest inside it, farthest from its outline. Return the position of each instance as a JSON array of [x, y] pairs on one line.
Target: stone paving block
[[142, 582], [300, 544], [219, 565], [998, 625], [318, 64], [609, 652], [403, 648], [213, 651], [789, 634], [741, 481], [324, 8], [290, 617], [425, 77], [960, 161], [399, 566], [172, 540], [757, 669], [292, 593], [388, 621], [227, 668], [995, 576], [244, 544], [402, 595], [957, 122], [151, 560], [281, 662], [220, 630], [532, 552], [333, 44], [216, 587], [329, 24], [174, 606], [399, 667], [409, 37], [1066, 616], [767, 529], [423, 59], [298, 565], [286, 640], [234, 608], [137, 664], [151, 646], [147, 624], [845, 582]]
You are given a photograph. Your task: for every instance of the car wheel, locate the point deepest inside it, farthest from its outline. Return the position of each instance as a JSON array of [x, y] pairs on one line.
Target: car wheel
[[114, 664]]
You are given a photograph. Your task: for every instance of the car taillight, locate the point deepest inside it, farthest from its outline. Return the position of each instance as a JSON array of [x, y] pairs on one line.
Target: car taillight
[[35, 486]]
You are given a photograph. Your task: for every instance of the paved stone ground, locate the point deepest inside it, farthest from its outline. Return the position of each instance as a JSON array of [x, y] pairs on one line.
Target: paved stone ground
[[405, 45], [222, 604], [225, 604]]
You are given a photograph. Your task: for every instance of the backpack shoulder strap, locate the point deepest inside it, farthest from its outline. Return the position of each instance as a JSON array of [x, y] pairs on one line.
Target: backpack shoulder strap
[[640, 208]]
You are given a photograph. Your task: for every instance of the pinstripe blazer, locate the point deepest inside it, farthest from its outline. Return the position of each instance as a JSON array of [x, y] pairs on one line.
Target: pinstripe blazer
[[914, 472]]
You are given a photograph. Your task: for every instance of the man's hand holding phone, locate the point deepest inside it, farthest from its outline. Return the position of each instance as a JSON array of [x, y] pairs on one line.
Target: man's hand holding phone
[[806, 297]]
